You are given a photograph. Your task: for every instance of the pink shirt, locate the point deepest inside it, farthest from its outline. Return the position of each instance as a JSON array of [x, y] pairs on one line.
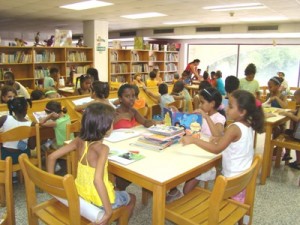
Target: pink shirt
[[216, 118]]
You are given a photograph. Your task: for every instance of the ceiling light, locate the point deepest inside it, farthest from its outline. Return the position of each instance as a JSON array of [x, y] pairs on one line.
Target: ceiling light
[[143, 15], [86, 5], [264, 19], [180, 22], [235, 7]]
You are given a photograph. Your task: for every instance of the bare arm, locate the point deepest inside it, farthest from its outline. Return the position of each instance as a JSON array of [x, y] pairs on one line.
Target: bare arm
[[232, 134], [141, 120], [152, 95], [47, 121], [290, 115]]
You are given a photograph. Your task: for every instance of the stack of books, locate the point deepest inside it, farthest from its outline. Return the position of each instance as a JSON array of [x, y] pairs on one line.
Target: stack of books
[[160, 137]]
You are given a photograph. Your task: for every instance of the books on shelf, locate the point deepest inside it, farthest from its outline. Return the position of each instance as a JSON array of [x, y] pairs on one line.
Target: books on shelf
[[124, 157], [165, 130], [119, 68], [77, 56], [118, 79], [121, 135], [41, 72], [171, 67], [135, 56], [114, 56], [140, 68], [17, 57], [171, 57], [44, 56]]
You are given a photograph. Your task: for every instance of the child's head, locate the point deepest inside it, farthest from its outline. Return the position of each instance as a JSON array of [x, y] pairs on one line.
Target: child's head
[[152, 75], [218, 74], [85, 81], [250, 72], [51, 94], [281, 74], [96, 122], [18, 106], [297, 96], [210, 99], [100, 89], [178, 87], [176, 76], [54, 106], [136, 91], [274, 84], [93, 73], [163, 89], [213, 75], [205, 75], [204, 84], [53, 71], [7, 93], [232, 83], [185, 75], [242, 107], [126, 95], [9, 78], [37, 95], [137, 77]]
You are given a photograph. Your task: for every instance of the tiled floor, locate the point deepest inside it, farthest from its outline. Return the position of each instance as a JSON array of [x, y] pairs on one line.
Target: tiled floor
[[277, 202]]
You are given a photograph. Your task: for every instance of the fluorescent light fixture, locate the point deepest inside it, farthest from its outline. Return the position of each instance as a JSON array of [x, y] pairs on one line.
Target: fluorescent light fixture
[[143, 15], [180, 22], [235, 7], [129, 39], [264, 19], [86, 5]]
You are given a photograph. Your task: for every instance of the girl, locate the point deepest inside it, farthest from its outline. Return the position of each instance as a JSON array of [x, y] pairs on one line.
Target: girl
[[248, 83], [163, 99], [126, 115], [100, 93], [92, 180], [7, 93], [18, 107], [85, 85], [157, 76], [138, 80], [196, 99], [180, 91], [212, 125], [236, 145], [58, 119], [93, 72], [275, 98]]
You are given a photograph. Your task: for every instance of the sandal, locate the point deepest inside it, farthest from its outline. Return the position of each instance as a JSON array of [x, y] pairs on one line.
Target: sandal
[[295, 165], [286, 157]]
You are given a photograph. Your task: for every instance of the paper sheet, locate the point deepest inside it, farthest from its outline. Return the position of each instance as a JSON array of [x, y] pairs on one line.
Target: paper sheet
[[82, 101], [122, 134]]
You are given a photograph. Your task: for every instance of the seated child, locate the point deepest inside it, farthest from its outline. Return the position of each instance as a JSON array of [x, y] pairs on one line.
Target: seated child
[[7, 93], [37, 95], [196, 99], [137, 80], [151, 82], [85, 85], [52, 94], [92, 180], [179, 90]]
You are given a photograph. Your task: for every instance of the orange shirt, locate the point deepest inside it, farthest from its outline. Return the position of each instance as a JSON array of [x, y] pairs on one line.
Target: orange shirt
[[139, 103]]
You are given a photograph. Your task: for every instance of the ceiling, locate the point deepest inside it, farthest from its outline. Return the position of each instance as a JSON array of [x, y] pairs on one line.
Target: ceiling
[[46, 16]]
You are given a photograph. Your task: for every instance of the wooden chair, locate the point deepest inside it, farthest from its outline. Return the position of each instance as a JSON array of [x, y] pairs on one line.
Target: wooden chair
[[52, 211], [73, 127], [144, 112], [20, 133], [204, 207], [179, 104], [6, 191]]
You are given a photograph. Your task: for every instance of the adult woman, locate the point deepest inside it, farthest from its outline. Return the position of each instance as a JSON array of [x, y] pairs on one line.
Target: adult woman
[[192, 68]]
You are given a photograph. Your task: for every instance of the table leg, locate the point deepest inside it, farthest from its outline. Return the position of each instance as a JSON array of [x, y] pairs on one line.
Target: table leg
[[267, 160], [159, 204]]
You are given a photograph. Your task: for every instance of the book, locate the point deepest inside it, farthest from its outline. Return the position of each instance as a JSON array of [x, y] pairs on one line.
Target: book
[[82, 101], [155, 144], [159, 137], [165, 130], [184, 120], [39, 115], [121, 135], [124, 157]]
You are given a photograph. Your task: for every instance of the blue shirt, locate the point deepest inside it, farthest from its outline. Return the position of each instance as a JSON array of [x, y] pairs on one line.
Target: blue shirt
[[220, 86]]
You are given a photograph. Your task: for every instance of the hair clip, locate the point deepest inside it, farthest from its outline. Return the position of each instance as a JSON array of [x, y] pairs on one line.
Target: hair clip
[[207, 92], [275, 80]]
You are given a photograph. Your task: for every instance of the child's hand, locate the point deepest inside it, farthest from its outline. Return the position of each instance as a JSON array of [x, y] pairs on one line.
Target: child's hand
[[200, 111], [214, 140], [187, 140], [104, 220], [54, 115]]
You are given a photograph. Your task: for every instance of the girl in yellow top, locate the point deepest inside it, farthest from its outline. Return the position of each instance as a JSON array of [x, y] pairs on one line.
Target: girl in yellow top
[[92, 180]]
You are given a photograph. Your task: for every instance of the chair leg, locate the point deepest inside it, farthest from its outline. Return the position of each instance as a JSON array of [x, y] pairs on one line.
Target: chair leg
[[2, 195], [21, 178], [123, 219], [278, 157], [255, 140]]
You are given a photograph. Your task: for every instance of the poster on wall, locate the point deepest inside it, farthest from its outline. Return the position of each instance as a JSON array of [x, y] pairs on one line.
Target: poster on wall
[[63, 38]]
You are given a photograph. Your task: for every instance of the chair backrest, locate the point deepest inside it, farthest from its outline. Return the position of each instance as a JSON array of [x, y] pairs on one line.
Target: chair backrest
[[179, 104], [72, 128], [63, 187], [6, 181], [24, 132], [227, 187]]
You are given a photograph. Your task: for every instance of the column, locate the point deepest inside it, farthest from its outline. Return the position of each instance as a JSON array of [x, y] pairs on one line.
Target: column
[[95, 34]]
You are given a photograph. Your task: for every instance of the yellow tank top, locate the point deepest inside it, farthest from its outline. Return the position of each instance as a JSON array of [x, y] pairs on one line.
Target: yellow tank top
[[151, 83], [85, 182]]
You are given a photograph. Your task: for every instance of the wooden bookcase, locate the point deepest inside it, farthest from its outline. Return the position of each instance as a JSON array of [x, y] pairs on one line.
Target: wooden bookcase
[[31, 64], [124, 63]]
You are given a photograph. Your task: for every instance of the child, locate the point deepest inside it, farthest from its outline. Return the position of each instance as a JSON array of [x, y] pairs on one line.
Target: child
[[212, 125], [9, 79], [93, 72], [196, 99], [180, 91], [176, 78], [186, 77], [151, 82], [157, 76], [49, 80], [92, 180], [275, 98], [236, 145], [139, 102], [100, 93], [232, 83], [7, 93], [138, 80], [213, 80], [295, 119], [126, 115], [58, 119], [248, 83], [18, 106], [52, 94], [163, 99], [85, 85], [220, 84], [37, 95]]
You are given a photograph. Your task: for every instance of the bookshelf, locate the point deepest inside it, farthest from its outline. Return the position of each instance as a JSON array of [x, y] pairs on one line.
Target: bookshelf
[[31, 64], [124, 63]]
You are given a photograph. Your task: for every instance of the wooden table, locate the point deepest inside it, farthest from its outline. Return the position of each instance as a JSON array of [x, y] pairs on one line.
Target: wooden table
[[160, 171], [192, 89], [270, 123]]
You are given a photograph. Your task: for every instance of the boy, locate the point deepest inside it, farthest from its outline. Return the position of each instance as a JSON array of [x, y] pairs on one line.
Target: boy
[[295, 132], [49, 80]]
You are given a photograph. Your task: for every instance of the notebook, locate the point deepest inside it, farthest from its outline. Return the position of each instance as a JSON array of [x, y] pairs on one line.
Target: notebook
[[121, 135]]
